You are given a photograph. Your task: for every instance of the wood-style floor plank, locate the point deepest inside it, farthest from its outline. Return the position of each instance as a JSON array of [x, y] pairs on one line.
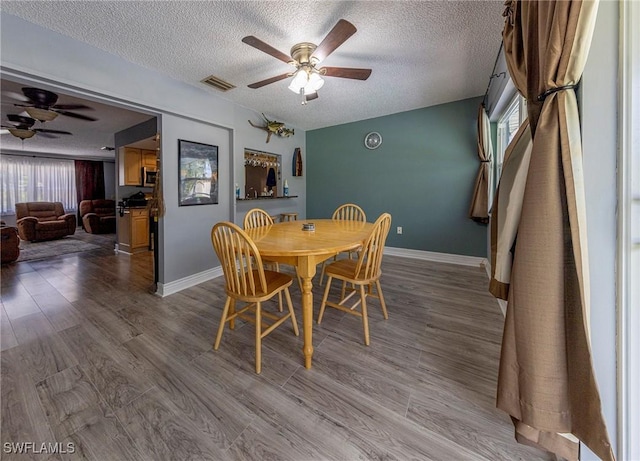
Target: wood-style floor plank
[[91, 358], [162, 433], [23, 417], [7, 336]]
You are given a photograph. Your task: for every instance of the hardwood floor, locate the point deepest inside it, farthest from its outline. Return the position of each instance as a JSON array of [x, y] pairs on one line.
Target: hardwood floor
[[91, 358]]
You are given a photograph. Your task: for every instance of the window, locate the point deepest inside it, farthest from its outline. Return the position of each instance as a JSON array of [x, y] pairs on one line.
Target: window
[[37, 179], [629, 233], [508, 125]]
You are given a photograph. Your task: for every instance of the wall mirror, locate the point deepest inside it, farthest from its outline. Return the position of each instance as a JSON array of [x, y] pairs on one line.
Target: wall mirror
[[262, 174]]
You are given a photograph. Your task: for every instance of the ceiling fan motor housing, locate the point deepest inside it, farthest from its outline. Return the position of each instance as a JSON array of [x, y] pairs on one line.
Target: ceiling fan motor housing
[[301, 52]]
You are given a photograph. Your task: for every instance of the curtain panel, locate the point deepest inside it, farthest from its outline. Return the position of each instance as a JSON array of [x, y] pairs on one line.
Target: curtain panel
[[37, 179], [546, 380], [479, 209], [89, 179]]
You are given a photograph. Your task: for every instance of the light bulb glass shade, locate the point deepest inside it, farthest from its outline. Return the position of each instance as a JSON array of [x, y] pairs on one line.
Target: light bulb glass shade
[[294, 88], [315, 81], [20, 133], [42, 115]]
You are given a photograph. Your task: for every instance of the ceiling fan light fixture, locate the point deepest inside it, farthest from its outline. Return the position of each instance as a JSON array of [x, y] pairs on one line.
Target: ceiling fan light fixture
[[22, 133], [306, 81], [42, 115]]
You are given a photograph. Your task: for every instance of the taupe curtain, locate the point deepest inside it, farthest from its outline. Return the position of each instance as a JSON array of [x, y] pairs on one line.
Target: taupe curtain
[[507, 207], [479, 209], [546, 380]]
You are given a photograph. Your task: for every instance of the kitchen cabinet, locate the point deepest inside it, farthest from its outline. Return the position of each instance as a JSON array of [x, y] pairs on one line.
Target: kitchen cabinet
[[132, 167], [149, 159], [134, 160], [133, 231]]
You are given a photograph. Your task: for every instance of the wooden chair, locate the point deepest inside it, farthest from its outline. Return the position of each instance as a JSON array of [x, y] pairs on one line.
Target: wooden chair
[[346, 212], [247, 281], [362, 272], [257, 217], [349, 212]]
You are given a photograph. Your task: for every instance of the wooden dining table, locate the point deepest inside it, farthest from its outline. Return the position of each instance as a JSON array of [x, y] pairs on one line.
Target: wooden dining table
[[288, 243]]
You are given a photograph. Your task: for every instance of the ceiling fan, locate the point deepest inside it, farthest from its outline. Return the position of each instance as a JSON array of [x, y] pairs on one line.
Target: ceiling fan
[[22, 127], [305, 56], [41, 105]]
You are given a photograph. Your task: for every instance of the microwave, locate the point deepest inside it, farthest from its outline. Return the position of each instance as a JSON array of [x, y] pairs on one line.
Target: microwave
[[149, 177]]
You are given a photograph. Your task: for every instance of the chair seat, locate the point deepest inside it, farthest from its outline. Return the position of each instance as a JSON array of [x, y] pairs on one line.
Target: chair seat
[[275, 281], [346, 269]]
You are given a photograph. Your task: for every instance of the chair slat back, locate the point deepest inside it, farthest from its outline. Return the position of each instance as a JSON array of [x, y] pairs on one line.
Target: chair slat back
[[370, 259], [256, 217], [239, 258], [349, 212]]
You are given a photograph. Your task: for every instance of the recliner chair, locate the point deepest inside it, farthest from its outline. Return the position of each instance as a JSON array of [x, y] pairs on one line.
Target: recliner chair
[[44, 221], [98, 216]]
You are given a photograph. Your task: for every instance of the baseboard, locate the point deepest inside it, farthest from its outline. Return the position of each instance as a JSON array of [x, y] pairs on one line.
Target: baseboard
[[436, 257], [166, 289]]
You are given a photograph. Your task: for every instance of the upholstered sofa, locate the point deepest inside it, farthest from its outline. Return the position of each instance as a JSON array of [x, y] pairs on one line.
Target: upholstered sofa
[[98, 216], [44, 221], [10, 244]]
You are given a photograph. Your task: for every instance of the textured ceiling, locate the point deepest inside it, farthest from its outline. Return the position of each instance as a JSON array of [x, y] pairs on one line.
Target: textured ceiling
[[422, 53]]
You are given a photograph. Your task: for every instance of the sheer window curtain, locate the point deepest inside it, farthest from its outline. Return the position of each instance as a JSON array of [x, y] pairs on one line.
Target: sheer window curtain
[[37, 179]]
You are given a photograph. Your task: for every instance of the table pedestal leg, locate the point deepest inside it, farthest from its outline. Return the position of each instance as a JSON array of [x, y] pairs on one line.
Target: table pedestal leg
[[306, 270]]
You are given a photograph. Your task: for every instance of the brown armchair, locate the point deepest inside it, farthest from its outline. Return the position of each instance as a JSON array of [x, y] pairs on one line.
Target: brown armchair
[[9, 244], [44, 221], [98, 216]]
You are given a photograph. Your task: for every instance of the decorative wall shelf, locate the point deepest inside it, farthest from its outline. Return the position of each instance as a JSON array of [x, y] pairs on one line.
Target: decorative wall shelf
[[264, 198]]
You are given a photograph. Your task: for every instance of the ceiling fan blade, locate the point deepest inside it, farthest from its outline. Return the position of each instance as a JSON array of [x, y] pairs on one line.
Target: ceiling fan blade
[[336, 37], [21, 120], [16, 96], [41, 98], [346, 72], [268, 81], [46, 135], [72, 107], [265, 48], [44, 130], [74, 115], [312, 96]]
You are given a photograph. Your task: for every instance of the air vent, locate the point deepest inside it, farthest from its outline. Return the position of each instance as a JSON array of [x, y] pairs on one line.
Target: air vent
[[217, 83]]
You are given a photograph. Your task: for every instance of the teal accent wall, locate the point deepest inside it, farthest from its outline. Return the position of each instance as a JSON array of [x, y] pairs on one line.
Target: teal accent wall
[[423, 174]]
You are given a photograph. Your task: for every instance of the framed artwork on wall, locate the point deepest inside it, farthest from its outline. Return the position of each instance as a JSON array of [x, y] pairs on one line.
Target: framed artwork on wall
[[198, 170]]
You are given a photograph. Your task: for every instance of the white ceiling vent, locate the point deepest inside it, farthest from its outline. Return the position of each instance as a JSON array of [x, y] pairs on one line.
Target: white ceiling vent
[[217, 83]]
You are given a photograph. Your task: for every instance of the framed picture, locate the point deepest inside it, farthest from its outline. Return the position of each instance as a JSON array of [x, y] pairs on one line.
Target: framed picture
[[198, 170]]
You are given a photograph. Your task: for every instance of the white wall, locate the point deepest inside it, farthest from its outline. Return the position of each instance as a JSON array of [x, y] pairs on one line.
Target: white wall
[[599, 134], [186, 111]]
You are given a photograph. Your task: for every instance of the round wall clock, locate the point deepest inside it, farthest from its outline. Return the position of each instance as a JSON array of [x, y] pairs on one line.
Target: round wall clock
[[372, 140]]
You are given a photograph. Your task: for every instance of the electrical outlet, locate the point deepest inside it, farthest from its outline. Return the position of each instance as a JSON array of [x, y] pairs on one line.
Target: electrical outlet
[[399, 230]]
